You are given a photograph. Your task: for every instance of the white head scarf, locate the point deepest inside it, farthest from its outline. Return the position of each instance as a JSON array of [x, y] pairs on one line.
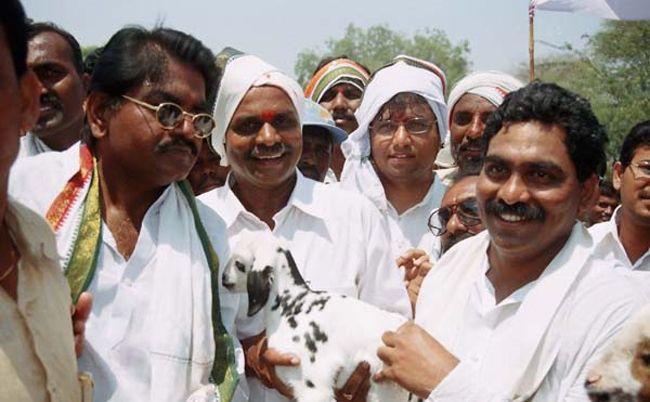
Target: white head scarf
[[358, 171], [491, 85], [241, 74]]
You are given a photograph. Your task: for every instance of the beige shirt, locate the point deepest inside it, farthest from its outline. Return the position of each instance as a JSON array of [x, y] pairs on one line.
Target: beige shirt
[[37, 359]]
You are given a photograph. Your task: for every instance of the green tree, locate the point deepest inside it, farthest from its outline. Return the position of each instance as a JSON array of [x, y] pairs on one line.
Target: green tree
[[377, 45], [86, 50], [613, 73]]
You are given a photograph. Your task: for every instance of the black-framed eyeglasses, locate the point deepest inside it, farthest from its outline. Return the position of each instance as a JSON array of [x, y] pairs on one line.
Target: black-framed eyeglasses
[[169, 115], [466, 211], [641, 171], [415, 125]]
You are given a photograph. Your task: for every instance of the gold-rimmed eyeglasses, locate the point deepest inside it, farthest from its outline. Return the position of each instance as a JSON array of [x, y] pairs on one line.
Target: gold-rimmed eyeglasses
[[169, 115]]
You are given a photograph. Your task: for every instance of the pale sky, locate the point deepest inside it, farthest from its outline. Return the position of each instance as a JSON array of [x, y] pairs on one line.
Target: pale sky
[[276, 30]]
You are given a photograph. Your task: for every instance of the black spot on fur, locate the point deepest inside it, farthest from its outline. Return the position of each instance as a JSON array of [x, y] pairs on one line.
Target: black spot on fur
[[276, 304], [292, 322], [318, 303], [310, 343], [309, 384], [296, 338], [319, 335], [240, 266]]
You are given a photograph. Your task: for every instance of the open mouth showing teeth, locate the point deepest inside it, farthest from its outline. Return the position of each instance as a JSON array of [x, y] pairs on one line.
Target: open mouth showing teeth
[[512, 217], [268, 157]]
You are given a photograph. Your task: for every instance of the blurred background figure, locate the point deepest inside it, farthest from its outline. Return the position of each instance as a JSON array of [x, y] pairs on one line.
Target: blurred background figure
[[55, 56], [608, 200], [338, 84], [319, 137], [207, 172]]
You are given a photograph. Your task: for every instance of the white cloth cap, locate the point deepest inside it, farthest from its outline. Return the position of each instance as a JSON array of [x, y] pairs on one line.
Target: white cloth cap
[[491, 85], [388, 82], [240, 75]]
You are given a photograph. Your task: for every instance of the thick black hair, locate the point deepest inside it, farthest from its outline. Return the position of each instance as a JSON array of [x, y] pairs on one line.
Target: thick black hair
[[37, 28], [550, 104], [326, 60], [134, 55], [638, 136], [14, 24]]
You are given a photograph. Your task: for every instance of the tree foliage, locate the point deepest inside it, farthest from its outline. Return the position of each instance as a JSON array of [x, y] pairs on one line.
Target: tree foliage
[[377, 45], [613, 73]]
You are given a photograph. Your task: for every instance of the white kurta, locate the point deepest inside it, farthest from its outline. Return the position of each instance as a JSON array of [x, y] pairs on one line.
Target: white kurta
[[338, 240], [608, 244], [537, 343], [409, 229], [129, 348], [31, 145]]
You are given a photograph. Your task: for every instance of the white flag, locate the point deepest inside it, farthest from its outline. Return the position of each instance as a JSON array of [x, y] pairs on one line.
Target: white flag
[[611, 9]]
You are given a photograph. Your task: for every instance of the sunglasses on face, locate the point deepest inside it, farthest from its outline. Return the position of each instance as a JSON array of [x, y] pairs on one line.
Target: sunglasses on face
[[170, 115], [466, 212], [416, 125]]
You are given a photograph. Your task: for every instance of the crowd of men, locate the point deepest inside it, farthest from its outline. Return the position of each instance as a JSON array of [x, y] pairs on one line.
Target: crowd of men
[[478, 211]]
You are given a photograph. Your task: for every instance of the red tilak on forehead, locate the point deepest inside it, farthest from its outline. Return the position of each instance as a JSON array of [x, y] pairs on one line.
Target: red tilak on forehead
[[268, 115]]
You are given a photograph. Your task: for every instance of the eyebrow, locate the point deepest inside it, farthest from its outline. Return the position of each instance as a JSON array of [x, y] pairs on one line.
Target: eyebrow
[[541, 165], [164, 96]]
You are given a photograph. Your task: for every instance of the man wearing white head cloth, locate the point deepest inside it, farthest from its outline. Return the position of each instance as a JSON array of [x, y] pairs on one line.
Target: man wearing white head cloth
[[472, 100], [336, 237], [390, 157]]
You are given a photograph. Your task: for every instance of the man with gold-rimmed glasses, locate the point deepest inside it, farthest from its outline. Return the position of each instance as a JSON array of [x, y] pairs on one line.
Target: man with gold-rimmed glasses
[[130, 231]]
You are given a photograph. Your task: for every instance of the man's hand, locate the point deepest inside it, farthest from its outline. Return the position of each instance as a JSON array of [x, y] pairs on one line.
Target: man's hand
[[414, 360], [261, 362], [416, 265], [80, 314], [356, 387]]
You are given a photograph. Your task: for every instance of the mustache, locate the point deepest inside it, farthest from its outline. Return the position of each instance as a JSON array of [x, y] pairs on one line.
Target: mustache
[[471, 143], [342, 115], [52, 100], [528, 212], [166, 145], [261, 151]]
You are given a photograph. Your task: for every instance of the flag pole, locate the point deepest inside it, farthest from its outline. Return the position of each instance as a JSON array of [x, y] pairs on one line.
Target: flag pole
[[531, 44]]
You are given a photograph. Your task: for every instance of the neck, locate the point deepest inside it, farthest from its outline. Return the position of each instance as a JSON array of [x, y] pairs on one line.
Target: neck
[[634, 235], [403, 195], [510, 271], [65, 137], [263, 202], [124, 197]]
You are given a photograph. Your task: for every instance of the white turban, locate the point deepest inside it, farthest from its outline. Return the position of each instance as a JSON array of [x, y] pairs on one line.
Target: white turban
[[491, 85], [241, 74], [400, 77]]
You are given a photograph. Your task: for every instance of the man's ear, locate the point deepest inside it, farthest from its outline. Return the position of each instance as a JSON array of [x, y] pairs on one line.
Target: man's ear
[[617, 175], [589, 193], [98, 113], [30, 101]]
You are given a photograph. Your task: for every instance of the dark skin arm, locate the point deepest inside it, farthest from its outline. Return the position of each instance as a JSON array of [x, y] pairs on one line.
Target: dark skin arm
[[414, 360], [261, 361]]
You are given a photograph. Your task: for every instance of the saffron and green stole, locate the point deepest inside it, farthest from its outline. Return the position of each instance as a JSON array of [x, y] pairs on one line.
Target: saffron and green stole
[[85, 250]]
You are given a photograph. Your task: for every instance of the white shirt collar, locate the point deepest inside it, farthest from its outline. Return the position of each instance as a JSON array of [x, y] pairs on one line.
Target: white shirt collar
[[302, 197]]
